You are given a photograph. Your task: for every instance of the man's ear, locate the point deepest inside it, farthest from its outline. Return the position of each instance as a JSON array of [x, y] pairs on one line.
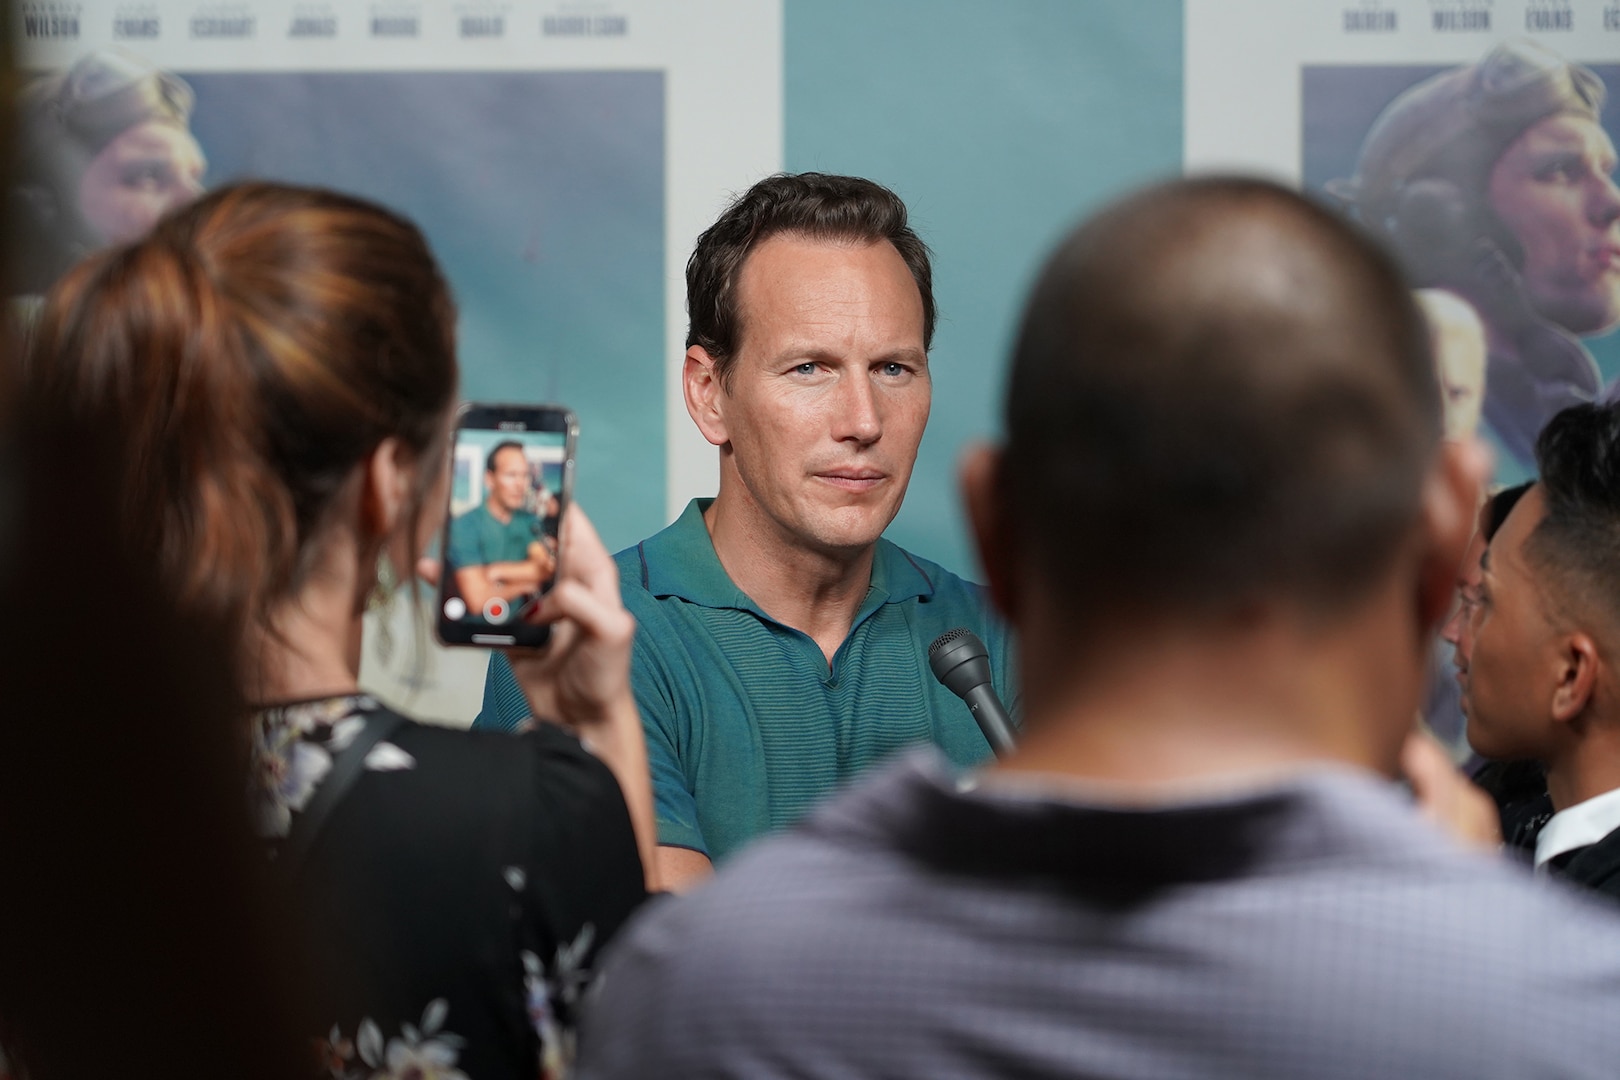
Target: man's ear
[[1450, 508], [1577, 676], [705, 396], [979, 477], [386, 480]]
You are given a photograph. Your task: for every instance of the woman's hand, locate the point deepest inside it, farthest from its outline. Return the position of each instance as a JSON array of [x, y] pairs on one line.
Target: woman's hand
[[581, 678], [1446, 797]]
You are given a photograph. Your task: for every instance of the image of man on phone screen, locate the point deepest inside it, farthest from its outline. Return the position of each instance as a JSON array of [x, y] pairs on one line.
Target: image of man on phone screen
[[496, 549]]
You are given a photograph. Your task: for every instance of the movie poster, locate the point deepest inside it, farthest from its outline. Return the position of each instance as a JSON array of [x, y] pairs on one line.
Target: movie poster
[[1476, 139], [561, 158]]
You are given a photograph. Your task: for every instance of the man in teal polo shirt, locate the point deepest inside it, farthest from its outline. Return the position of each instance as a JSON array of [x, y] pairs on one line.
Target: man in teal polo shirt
[[496, 549], [783, 643]]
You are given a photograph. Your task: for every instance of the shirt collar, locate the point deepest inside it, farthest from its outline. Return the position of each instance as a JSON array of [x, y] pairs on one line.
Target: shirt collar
[[1579, 825], [1130, 849], [680, 561]]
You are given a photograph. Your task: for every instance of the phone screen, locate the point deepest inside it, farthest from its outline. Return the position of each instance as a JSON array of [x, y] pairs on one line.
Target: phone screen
[[511, 476]]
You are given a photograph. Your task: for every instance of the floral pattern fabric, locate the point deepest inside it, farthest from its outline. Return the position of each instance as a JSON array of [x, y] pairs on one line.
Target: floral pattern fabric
[[423, 1051], [293, 748], [463, 1022]]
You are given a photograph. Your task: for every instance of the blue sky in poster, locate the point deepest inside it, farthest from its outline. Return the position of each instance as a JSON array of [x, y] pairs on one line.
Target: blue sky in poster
[[543, 196]]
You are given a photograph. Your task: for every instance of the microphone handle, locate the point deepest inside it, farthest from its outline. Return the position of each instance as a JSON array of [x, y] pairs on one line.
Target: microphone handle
[[992, 718]]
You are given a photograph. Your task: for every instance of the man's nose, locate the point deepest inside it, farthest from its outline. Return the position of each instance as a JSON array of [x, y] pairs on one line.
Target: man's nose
[[859, 416], [1452, 631], [1604, 205]]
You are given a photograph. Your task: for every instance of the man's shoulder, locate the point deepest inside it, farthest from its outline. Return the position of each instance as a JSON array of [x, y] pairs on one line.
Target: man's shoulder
[[632, 564], [937, 577], [1387, 887], [470, 518], [664, 554], [662, 615], [942, 599], [1363, 947], [1598, 868], [466, 539], [635, 574]]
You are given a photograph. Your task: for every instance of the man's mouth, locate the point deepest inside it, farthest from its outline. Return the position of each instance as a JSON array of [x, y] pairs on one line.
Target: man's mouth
[[852, 479]]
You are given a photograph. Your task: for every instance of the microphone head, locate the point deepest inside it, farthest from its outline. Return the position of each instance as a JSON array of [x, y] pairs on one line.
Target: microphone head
[[946, 638], [959, 660]]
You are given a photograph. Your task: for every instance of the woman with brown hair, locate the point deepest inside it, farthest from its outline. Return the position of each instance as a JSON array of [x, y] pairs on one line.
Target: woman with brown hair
[[278, 366]]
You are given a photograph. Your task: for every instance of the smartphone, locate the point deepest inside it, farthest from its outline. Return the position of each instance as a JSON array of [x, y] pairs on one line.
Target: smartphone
[[511, 478]]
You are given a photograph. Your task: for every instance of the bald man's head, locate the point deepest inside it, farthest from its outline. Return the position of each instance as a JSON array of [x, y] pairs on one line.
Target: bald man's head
[[1221, 393]]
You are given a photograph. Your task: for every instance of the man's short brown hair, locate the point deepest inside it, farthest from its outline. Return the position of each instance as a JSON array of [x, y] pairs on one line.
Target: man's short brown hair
[[818, 206]]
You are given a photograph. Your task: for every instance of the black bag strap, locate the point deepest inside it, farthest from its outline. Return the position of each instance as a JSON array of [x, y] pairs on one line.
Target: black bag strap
[[347, 766]]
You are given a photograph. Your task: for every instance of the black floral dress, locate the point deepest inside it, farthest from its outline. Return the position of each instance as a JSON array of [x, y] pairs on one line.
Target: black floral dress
[[455, 897]]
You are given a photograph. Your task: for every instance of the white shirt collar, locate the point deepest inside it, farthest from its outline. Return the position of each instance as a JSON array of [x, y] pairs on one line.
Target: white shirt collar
[[1579, 825]]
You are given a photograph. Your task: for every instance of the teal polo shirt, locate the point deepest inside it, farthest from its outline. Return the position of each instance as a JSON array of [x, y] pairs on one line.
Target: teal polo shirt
[[478, 537], [747, 724]]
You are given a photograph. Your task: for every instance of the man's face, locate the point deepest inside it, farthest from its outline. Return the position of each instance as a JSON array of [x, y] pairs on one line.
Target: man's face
[[829, 390], [1553, 190], [1459, 627], [141, 175], [509, 481], [1510, 669]]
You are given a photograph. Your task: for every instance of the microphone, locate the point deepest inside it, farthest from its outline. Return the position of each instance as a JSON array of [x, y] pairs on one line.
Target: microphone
[[962, 663]]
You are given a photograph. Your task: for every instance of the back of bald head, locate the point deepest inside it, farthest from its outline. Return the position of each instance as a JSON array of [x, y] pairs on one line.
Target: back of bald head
[[1221, 393]]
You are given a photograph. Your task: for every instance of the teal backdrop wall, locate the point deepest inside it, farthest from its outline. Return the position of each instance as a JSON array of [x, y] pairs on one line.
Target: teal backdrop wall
[[1000, 125]]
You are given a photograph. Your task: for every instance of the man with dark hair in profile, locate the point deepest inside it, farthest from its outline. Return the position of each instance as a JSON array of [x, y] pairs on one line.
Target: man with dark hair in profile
[[1224, 526], [1544, 633], [1519, 788], [782, 641]]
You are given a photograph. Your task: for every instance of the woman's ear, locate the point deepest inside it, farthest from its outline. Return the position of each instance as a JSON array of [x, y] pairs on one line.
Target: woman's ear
[[388, 478]]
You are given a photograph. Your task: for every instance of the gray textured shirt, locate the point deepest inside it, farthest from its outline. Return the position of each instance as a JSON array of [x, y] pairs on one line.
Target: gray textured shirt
[[919, 928]]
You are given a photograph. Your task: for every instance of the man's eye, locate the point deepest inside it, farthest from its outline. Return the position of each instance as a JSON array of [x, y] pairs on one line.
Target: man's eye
[[894, 370], [806, 368]]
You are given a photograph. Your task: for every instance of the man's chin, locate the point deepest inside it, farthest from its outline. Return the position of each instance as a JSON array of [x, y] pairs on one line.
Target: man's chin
[[1479, 741], [851, 529]]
